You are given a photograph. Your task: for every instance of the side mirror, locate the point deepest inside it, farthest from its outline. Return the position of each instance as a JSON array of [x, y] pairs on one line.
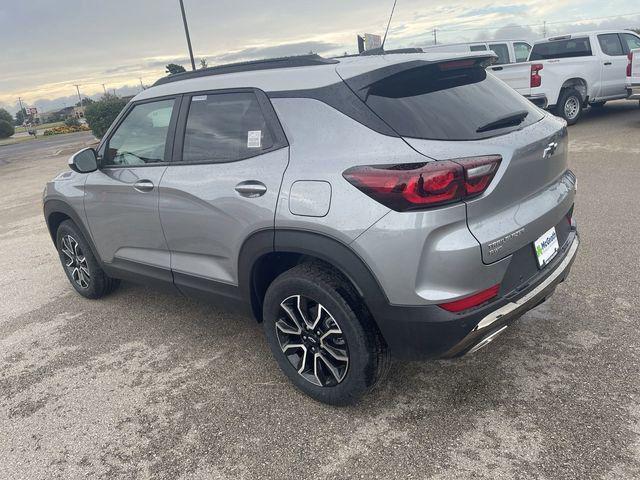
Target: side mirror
[[84, 161]]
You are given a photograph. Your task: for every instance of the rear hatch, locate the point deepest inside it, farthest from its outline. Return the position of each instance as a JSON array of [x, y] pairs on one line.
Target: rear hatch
[[454, 109]]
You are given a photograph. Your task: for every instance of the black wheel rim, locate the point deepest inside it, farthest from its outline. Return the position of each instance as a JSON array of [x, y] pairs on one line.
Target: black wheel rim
[[312, 341], [75, 261]]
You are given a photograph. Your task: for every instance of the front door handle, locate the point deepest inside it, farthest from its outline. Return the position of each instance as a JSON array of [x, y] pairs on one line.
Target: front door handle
[[251, 188], [143, 186], [607, 63]]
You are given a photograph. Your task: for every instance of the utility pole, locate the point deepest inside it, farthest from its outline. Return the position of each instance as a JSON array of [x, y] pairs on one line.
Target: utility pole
[[104, 89], [435, 36], [21, 106], [544, 29], [186, 32], [141, 85], [79, 96]]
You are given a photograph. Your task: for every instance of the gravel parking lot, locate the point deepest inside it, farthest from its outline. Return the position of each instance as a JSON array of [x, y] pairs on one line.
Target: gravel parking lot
[[148, 384]]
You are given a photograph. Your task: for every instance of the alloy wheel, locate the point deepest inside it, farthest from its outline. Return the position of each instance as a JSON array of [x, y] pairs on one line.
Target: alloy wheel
[[75, 261], [312, 341]]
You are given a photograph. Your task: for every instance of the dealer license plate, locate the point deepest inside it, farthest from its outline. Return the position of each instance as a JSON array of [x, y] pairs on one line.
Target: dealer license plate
[[546, 247]]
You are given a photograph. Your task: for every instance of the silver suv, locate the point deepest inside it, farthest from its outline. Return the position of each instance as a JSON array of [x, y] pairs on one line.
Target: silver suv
[[402, 204]]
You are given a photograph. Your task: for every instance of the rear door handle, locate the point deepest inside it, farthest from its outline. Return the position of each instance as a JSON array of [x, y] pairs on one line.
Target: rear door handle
[[143, 186], [251, 188], [607, 63]]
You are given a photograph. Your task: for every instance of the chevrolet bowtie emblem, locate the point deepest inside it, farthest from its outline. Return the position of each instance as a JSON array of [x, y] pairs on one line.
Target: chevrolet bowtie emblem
[[550, 150]]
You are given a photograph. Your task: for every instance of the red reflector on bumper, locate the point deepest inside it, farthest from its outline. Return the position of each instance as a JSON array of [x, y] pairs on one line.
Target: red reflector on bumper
[[472, 301]]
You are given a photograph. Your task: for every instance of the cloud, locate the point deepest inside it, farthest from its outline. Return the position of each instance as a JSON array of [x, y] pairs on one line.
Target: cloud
[[119, 41], [274, 51]]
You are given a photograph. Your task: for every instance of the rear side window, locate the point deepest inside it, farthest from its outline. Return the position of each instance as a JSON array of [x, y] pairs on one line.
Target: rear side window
[[225, 127], [610, 44], [521, 50], [434, 102], [502, 50], [632, 41], [573, 47]]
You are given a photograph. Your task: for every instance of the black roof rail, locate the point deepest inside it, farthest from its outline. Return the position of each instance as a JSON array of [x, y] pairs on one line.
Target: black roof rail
[[382, 51], [266, 64]]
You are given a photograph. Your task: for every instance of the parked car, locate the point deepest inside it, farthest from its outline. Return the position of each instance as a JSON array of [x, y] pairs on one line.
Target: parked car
[[633, 75], [359, 208], [570, 72], [507, 51]]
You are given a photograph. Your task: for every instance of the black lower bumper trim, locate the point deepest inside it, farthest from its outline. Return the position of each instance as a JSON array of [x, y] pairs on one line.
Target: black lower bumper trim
[[423, 332]]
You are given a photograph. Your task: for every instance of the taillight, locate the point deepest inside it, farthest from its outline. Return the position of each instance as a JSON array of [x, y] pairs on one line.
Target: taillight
[[630, 64], [472, 301], [536, 79], [479, 171], [417, 186]]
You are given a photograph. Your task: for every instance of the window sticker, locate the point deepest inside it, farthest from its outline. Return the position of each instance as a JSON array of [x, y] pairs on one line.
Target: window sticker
[[198, 98], [254, 139]]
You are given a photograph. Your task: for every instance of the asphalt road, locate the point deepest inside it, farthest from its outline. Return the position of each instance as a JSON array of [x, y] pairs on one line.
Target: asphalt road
[[151, 385]]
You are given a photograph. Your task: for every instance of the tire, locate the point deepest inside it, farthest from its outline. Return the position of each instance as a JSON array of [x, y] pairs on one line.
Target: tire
[[331, 302], [80, 265], [570, 106]]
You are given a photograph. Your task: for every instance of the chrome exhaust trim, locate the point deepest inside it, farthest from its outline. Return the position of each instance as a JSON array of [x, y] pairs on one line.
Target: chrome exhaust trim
[[486, 340]]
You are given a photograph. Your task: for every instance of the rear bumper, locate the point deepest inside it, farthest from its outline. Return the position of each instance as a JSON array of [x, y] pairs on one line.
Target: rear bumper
[[496, 322], [430, 332], [634, 92], [538, 100]]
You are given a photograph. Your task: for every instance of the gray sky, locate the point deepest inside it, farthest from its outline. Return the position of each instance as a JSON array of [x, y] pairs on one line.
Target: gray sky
[[49, 45]]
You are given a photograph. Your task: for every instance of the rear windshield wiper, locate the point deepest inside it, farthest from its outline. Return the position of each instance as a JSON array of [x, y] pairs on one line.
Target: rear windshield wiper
[[509, 121]]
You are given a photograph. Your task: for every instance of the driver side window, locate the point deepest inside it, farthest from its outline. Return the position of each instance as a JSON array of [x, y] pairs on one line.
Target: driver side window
[[142, 135]]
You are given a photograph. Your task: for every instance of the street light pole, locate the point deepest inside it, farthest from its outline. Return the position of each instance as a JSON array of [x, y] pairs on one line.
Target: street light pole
[[186, 32], [78, 90]]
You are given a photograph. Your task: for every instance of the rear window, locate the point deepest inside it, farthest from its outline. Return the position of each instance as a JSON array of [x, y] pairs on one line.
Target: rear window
[[572, 47], [610, 44], [522, 50], [225, 127], [632, 41], [502, 51], [431, 102]]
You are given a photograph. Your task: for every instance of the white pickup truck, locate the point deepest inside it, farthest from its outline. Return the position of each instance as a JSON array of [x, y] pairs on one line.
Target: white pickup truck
[[507, 51], [570, 72], [633, 75]]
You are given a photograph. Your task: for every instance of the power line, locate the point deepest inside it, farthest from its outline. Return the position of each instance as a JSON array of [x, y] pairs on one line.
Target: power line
[[537, 24]]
